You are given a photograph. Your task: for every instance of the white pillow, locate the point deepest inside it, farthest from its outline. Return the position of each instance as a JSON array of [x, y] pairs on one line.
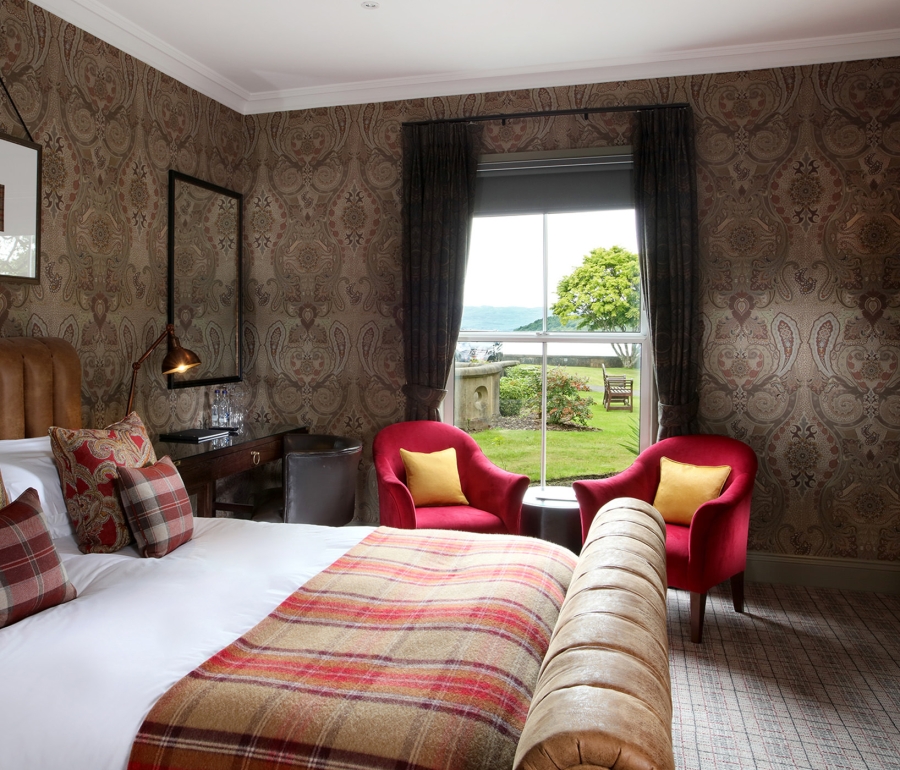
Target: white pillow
[[28, 462]]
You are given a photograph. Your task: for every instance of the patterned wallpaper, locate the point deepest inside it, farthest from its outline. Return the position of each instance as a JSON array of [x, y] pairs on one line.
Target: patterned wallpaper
[[111, 128], [799, 173]]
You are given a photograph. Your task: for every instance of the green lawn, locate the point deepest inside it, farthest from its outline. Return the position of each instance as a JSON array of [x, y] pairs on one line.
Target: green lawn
[[571, 454]]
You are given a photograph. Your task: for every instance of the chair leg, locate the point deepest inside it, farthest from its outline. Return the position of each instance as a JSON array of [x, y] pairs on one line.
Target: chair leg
[[737, 591], [698, 609]]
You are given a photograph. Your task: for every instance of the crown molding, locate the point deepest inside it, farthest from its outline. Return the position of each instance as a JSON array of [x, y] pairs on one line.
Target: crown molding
[[695, 62], [98, 20], [113, 28]]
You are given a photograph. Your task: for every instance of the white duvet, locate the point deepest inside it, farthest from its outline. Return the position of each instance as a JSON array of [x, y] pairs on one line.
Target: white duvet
[[76, 681]]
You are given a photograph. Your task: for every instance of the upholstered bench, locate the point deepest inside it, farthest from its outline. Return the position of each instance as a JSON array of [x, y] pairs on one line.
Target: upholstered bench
[[603, 697]]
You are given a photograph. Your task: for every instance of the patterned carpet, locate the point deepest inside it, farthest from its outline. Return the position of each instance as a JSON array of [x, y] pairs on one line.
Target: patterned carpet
[[808, 679]]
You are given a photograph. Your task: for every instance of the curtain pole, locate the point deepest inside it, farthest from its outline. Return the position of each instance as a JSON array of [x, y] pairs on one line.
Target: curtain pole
[[545, 114]]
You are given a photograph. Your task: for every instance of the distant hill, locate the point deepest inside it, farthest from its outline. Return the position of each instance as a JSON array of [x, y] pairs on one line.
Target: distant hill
[[553, 325], [510, 319], [501, 319]]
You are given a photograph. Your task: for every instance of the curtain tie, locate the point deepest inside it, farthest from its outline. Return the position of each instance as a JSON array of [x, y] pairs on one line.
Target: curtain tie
[[430, 398], [678, 415]]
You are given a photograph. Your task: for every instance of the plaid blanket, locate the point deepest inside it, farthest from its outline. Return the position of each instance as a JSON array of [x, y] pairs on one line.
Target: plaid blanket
[[414, 650]]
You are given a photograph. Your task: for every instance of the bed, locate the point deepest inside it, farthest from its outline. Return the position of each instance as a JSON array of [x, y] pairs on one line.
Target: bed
[[85, 683]]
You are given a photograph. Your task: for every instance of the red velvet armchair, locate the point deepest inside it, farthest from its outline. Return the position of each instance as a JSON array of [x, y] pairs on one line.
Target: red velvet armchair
[[495, 496], [714, 547]]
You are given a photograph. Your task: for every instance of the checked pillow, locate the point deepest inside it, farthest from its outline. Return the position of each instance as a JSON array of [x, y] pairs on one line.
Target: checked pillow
[[32, 578], [88, 463], [157, 507]]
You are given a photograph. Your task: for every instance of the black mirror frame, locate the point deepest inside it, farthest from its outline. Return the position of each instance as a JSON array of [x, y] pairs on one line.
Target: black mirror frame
[[177, 176], [36, 278]]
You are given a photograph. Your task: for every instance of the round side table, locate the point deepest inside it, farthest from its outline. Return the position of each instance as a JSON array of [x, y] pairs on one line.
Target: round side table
[[551, 513]]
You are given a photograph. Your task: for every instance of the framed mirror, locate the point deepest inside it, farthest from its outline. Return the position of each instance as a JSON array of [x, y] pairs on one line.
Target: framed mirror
[[205, 278], [20, 210]]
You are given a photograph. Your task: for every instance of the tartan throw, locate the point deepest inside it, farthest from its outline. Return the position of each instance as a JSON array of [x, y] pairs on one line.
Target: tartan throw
[[32, 578], [414, 650], [88, 461], [157, 507]]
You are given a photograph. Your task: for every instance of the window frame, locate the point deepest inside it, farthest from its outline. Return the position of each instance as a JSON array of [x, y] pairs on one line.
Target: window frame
[[648, 414]]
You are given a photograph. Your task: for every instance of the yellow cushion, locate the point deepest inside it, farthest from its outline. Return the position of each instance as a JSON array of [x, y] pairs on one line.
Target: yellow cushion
[[683, 488], [433, 478]]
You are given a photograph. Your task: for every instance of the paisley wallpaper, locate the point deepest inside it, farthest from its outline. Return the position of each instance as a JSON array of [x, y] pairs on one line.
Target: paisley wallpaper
[[799, 179]]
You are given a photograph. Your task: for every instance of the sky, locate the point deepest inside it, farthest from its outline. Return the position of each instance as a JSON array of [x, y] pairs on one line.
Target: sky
[[505, 253]]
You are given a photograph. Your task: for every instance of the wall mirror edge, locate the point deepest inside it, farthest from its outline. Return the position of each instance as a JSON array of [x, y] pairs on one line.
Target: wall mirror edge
[[205, 278]]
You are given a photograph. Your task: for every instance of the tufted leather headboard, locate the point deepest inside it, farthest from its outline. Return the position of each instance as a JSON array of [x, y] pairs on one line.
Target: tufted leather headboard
[[40, 386]]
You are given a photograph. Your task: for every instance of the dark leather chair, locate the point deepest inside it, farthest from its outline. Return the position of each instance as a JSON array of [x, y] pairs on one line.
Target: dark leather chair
[[318, 481]]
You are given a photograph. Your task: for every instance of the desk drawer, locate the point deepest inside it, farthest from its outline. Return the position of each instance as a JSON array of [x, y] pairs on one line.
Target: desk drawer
[[244, 457]]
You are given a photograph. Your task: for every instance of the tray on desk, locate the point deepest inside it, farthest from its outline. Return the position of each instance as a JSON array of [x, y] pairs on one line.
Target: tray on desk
[[196, 435]]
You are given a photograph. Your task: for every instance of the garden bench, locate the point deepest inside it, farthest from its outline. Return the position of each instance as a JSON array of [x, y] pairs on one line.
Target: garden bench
[[618, 392]]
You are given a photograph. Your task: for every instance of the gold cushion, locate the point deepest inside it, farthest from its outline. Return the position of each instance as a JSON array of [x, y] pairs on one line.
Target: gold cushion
[[433, 478], [683, 488]]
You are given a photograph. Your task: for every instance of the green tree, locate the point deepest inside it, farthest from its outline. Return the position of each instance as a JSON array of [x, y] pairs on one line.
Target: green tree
[[603, 295]]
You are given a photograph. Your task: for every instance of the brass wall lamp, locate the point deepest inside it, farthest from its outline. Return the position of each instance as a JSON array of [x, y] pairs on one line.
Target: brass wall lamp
[[178, 359]]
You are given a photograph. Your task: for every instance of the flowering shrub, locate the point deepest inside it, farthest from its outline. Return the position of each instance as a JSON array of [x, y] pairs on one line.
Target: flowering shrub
[[564, 402], [520, 387]]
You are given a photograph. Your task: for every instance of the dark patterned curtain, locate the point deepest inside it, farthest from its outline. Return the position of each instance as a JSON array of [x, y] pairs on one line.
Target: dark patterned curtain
[[439, 164], [666, 207]]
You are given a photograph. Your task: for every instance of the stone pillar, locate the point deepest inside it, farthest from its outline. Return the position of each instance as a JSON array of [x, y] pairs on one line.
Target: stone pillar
[[478, 393]]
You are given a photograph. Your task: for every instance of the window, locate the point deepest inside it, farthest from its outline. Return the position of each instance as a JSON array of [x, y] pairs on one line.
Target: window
[[530, 382]]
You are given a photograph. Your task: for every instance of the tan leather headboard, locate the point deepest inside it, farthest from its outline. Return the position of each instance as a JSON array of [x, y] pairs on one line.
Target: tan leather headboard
[[40, 386]]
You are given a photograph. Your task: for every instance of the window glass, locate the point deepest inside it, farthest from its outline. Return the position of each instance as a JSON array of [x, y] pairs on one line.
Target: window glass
[[579, 244], [552, 360], [497, 398], [590, 434], [503, 286]]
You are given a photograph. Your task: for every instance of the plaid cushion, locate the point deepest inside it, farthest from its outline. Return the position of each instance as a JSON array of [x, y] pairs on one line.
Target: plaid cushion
[[32, 578], [89, 462], [157, 507]]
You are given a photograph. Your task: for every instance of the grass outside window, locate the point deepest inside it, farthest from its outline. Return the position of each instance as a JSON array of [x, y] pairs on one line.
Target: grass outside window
[[608, 448]]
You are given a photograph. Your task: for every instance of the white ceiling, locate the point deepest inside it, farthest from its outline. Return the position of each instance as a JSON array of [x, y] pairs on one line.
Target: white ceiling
[[259, 56]]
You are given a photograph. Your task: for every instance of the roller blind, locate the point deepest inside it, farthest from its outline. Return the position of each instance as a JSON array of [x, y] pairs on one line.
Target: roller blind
[[553, 185]]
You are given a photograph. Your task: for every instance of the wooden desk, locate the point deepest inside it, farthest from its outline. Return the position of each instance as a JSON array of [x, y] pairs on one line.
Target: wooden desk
[[201, 465]]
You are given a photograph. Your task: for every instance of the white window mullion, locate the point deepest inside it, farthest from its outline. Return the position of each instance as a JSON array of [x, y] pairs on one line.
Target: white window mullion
[[545, 282], [543, 415]]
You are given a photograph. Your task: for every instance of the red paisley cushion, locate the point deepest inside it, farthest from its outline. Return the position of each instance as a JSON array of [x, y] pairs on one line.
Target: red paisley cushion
[[88, 462]]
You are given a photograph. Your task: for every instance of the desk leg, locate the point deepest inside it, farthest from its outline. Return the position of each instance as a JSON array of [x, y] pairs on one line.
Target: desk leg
[[205, 495]]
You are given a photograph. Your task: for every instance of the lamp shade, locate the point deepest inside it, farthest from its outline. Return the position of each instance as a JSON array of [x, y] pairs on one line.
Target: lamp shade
[[178, 359]]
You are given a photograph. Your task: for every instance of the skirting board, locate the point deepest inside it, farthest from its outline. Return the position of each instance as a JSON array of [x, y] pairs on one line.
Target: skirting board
[[823, 572]]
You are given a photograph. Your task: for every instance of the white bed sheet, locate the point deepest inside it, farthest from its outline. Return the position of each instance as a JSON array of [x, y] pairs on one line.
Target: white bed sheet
[[77, 681]]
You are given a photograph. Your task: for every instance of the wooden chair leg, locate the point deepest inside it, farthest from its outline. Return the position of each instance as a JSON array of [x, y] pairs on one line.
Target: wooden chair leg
[[737, 591], [698, 609]]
